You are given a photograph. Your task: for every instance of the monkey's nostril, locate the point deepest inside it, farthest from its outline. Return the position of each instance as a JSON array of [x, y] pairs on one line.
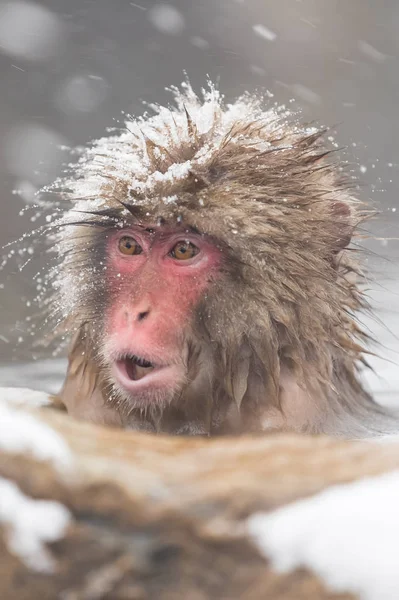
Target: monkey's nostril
[[143, 315]]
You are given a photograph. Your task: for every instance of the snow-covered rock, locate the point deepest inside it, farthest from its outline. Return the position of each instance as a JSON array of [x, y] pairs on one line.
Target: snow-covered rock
[[94, 512]]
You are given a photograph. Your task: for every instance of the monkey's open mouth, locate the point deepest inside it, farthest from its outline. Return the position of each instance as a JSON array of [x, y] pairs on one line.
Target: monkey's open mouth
[[135, 367], [143, 380]]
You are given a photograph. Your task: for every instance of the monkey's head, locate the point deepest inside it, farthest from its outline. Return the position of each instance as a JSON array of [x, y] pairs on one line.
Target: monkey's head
[[203, 267]]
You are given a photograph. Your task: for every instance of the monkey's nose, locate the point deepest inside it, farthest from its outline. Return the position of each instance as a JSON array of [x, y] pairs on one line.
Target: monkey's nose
[[142, 315], [142, 310]]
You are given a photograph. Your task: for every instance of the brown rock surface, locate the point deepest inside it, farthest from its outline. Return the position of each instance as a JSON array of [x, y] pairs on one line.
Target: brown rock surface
[[164, 518]]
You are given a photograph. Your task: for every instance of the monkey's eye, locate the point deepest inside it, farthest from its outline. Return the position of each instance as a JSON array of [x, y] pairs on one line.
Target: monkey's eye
[[128, 245], [184, 251]]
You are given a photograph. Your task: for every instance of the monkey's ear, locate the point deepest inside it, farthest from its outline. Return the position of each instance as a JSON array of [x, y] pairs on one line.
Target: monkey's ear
[[341, 226]]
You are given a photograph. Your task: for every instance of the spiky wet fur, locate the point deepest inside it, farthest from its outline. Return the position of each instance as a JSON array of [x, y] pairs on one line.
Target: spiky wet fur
[[276, 201]]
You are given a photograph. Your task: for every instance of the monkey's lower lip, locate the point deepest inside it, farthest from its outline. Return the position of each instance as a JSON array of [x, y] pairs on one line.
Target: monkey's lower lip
[[135, 367], [138, 379]]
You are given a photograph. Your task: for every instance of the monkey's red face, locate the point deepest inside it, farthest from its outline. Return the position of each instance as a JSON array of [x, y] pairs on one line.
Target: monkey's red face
[[156, 277]]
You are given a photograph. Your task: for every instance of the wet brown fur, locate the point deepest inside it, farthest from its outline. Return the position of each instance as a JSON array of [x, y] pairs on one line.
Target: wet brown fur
[[275, 201]]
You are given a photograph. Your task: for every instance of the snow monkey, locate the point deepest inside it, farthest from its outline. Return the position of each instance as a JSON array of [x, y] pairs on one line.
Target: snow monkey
[[205, 279]]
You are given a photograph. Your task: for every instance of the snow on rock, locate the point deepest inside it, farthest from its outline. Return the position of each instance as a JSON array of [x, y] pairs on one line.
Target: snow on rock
[[389, 438], [348, 535], [21, 432], [20, 396], [30, 524]]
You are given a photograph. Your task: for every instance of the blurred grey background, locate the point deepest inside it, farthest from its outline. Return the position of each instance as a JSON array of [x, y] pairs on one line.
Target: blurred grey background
[[69, 67]]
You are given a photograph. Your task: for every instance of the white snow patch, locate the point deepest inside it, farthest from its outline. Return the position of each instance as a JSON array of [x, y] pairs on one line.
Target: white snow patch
[[22, 433], [170, 199], [389, 438], [348, 535], [173, 173], [30, 524], [264, 32], [20, 396]]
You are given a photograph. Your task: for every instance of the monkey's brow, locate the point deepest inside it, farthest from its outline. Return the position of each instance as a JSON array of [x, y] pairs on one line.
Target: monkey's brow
[[85, 223], [107, 218], [192, 229]]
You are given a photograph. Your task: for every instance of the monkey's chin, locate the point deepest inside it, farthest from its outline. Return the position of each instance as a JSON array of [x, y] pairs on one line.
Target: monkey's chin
[[158, 386]]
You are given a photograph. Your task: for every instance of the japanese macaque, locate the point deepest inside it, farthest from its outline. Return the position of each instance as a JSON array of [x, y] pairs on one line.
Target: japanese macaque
[[205, 277]]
